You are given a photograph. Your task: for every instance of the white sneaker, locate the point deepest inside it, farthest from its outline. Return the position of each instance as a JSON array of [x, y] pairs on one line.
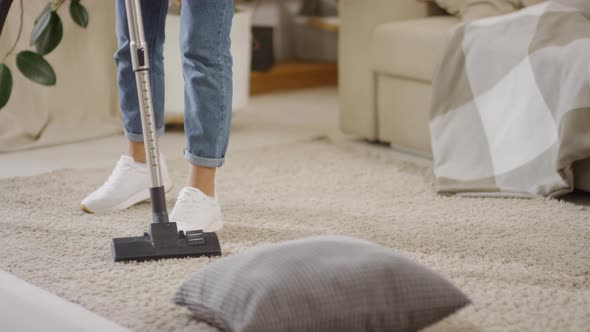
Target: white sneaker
[[196, 211], [128, 185]]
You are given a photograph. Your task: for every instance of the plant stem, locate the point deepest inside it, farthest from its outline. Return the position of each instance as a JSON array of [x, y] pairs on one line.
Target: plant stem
[[58, 4], [20, 30]]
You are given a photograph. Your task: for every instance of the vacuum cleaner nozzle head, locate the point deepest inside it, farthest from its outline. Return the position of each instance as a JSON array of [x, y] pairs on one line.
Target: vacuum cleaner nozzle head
[[164, 241]]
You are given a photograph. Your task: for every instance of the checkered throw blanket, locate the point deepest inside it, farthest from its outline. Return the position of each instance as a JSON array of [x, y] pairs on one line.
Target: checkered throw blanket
[[511, 102]]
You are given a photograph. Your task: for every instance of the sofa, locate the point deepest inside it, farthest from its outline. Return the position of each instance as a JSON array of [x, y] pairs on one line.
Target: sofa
[[387, 56], [388, 52]]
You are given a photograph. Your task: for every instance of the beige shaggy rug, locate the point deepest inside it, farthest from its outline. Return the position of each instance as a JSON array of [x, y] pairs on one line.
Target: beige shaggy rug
[[524, 263]]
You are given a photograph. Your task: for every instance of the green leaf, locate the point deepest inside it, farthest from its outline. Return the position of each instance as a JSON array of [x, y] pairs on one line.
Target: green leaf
[[79, 13], [41, 23], [5, 84], [35, 68], [51, 36]]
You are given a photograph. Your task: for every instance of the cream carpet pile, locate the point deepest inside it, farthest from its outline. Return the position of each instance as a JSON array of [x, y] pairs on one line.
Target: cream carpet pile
[[524, 263]]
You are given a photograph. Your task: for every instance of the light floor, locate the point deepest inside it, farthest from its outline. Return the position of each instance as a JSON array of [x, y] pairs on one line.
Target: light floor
[[521, 261], [268, 120]]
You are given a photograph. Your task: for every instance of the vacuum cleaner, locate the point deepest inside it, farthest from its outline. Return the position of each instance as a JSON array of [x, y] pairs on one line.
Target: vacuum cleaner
[[163, 240]]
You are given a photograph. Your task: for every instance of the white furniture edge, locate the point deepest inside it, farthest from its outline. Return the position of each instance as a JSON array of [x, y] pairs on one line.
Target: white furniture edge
[[24, 307]]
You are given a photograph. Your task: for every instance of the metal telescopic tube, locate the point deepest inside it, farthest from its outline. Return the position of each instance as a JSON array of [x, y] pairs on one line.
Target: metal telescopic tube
[[141, 65]]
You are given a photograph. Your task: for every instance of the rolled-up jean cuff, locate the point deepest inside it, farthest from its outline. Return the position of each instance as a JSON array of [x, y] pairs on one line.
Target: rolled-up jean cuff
[[139, 137], [203, 162]]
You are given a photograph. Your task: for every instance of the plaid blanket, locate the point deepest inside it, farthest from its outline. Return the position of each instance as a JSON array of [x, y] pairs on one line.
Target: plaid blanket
[[511, 102]]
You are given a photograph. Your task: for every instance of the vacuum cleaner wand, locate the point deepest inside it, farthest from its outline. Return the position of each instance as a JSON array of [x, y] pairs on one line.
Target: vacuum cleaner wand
[[163, 239]]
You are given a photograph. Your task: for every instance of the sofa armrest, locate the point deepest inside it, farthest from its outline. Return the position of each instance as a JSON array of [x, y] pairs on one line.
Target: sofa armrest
[[358, 20]]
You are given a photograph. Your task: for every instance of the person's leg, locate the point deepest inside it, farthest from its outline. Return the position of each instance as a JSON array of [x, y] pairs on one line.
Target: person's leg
[[129, 181], [154, 18], [202, 178], [207, 65]]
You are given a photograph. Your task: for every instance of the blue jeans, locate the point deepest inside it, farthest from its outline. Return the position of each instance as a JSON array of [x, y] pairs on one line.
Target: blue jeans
[[207, 66]]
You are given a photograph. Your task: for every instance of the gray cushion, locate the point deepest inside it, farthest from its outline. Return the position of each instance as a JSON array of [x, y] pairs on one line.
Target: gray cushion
[[328, 283]]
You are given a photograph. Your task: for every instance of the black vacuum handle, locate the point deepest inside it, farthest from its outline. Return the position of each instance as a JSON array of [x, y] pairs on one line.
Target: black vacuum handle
[[160, 213]]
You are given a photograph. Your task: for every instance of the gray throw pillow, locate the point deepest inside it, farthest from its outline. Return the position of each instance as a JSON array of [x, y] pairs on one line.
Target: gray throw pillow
[[328, 283]]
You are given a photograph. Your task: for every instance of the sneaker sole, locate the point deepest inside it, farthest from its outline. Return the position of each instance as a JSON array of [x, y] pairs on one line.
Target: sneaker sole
[[135, 199]]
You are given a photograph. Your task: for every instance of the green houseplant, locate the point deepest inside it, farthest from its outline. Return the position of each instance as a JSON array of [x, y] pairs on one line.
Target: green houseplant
[[45, 36]]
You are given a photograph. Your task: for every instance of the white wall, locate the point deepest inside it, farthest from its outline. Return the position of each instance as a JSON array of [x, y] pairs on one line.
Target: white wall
[[278, 14]]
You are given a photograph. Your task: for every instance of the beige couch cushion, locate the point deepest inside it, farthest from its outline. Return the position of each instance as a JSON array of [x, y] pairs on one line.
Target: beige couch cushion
[[410, 49]]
